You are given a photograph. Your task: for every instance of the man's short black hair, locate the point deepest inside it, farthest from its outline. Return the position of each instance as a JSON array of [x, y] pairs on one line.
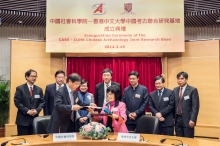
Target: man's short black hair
[[184, 74], [84, 81], [74, 77], [59, 72], [107, 70], [115, 89], [28, 73], [135, 73], [159, 78]]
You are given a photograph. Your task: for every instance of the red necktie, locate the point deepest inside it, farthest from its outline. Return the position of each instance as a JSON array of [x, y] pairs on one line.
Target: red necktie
[[179, 107], [31, 91]]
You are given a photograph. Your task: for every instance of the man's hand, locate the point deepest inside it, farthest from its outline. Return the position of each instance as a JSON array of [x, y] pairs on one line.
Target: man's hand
[[134, 115], [33, 112], [158, 115], [131, 117], [76, 107], [30, 112], [161, 119], [191, 124]]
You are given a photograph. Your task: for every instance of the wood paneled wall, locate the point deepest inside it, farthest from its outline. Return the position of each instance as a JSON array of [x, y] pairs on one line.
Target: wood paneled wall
[[27, 55], [201, 61]]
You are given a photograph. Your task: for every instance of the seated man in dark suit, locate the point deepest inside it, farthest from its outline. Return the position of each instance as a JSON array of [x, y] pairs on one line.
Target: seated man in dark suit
[[29, 101], [66, 103], [161, 104], [50, 92], [100, 89]]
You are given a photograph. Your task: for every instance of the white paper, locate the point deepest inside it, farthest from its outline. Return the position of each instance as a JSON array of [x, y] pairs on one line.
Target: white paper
[[58, 137], [131, 137]]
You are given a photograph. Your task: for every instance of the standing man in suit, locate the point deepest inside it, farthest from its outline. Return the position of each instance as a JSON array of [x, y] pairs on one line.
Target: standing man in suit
[[100, 89], [135, 98], [29, 101], [186, 106], [66, 103], [161, 104], [50, 92]]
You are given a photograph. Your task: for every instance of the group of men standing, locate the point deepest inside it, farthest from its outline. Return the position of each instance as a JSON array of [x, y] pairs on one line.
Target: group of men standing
[[177, 107]]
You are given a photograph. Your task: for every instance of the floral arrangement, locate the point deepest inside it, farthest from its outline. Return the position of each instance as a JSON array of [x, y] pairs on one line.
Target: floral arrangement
[[94, 130]]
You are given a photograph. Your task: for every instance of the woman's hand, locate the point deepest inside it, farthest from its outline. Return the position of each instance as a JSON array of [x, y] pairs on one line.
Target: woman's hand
[[114, 116], [91, 110], [93, 104]]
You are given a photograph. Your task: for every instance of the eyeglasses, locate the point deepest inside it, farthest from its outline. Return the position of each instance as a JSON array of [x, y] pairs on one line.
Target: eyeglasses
[[33, 76], [110, 94], [60, 77]]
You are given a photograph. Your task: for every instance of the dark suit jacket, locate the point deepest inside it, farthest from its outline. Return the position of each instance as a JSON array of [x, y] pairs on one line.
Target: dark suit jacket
[[134, 104], [61, 114], [190, 104], [24, 102], [49, 98], [165, 106], [99, 93]]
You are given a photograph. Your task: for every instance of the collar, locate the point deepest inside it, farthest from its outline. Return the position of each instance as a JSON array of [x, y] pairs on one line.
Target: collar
[[160, 90], [30, 86], [57, 85], [109, 84], [184, 87], [134, 88], [68, 88]]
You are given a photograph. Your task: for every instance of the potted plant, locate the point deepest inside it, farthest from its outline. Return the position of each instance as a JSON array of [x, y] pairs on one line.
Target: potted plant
[[4, 104]]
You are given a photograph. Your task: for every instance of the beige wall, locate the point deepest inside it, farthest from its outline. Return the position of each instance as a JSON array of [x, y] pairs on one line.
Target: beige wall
[[27, 55], [201, 61]]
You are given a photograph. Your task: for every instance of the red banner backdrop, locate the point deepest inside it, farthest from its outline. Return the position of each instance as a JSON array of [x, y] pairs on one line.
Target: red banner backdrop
[[90, 68]]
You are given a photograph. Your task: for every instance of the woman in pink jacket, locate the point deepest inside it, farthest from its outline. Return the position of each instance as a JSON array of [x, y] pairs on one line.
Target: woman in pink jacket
[[116, 121]]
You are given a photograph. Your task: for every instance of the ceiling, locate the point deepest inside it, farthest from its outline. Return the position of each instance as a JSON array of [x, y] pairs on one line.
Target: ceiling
[[198, 13]]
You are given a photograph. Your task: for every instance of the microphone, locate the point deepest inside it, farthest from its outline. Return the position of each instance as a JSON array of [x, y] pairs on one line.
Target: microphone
[[45, 135], [4, 143], [163, 140]]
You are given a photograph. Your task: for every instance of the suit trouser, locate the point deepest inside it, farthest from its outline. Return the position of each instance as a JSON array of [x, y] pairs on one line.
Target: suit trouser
[[169, 130], [131, 127], [25, 130], [71, 127], [182, 130]]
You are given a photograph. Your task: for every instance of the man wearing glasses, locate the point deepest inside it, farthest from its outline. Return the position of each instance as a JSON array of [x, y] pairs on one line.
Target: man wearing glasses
[[29, 101], [66, 103], [50, 91]]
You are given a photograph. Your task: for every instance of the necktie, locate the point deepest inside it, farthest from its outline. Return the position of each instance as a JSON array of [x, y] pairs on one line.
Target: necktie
[[179, 107], [106, 97], [72, 103], [160, 94], [31, 91], [59, 86]]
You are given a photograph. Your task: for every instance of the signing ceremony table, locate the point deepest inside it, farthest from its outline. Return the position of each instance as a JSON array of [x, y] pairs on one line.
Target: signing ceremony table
[[153, 140]]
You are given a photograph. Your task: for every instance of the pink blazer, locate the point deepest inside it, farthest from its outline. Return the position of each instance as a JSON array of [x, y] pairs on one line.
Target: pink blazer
[[118, 125]]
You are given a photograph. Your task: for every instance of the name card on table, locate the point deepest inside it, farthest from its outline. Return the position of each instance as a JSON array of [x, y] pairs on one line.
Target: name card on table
[[131, 137], [58, 137]]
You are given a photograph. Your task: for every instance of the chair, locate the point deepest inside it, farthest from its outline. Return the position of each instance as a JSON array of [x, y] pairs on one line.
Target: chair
[[40, 124], [147, 125]]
